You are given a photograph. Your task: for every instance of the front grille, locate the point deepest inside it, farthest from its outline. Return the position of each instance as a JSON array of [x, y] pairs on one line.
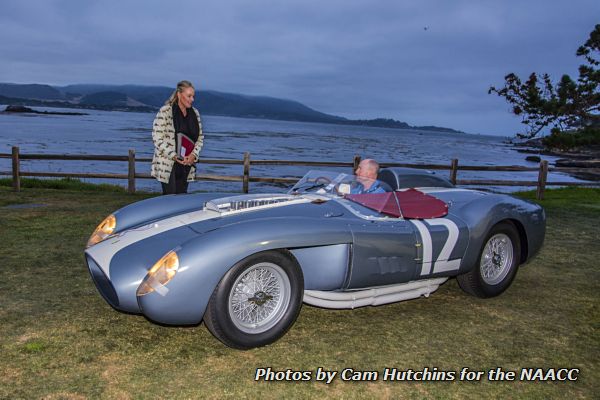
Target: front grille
[[104, 286]]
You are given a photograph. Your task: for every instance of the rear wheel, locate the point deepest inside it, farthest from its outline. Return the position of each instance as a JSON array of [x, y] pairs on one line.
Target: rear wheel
[[257, 300], [497, 265]]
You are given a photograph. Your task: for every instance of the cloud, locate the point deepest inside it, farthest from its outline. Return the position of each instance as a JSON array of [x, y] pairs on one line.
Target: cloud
[[360, 59]]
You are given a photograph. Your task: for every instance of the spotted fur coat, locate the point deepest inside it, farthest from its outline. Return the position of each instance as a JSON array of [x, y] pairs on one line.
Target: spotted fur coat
[[163, 135]]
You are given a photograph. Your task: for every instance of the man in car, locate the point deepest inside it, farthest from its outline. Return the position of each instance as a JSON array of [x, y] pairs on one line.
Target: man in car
[[366, 177]]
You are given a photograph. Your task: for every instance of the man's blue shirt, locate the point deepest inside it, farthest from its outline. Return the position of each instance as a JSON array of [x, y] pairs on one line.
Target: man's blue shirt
[[375, 188]]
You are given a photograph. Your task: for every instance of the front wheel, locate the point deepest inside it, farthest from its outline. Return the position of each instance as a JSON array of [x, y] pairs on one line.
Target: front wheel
[[498, 263], [257, 300]]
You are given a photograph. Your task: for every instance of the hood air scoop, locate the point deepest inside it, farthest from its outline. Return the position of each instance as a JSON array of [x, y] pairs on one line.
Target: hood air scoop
[[235, 204]]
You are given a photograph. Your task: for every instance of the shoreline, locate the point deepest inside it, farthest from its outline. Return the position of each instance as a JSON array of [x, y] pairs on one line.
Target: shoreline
[[12, 109], [583, 158], [385, 123]]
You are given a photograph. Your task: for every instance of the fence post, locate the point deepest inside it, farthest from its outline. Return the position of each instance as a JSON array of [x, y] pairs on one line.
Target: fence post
[[131, 172], [356, 162], [16, 169], [453, 170], [246, 178], [542, 177]]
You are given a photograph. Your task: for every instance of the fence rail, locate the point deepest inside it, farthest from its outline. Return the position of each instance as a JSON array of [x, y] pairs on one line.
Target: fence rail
[[246, 162]]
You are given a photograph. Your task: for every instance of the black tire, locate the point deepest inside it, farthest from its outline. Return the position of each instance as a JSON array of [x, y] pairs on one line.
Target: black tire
[[256, 301], [497, 263]]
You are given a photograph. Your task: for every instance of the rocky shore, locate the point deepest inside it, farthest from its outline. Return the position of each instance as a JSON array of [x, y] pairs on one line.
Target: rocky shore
[[586, 159], [27, 110]]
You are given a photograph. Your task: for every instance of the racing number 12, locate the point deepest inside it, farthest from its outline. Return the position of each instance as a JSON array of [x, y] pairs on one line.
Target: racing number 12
[[442, 263]]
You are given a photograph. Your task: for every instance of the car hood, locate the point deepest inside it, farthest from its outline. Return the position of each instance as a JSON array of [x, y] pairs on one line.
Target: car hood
[[203, 212], [160, 208], [244, 208]]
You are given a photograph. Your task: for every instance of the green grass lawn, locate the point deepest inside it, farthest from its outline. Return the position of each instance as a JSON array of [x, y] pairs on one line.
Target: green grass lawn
[[59, 339]]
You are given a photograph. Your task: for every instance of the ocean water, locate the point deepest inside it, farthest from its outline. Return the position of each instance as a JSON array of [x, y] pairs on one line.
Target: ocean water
[[114, 133]]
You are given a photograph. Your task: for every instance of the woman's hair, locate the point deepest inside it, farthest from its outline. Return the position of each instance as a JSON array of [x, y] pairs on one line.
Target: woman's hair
[[180, 86]]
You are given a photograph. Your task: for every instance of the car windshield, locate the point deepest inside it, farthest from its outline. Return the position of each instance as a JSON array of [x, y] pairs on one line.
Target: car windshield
[[337, 184]]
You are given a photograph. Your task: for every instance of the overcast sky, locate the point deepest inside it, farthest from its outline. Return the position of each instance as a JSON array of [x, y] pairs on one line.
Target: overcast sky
[[427, 62]]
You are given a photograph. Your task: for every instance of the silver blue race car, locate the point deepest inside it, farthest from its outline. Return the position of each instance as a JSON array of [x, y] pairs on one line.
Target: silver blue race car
[[244, 264]]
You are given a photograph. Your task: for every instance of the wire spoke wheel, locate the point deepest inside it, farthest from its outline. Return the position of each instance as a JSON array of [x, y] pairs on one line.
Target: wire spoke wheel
[[259, 298], [496, 259], [498, 262]]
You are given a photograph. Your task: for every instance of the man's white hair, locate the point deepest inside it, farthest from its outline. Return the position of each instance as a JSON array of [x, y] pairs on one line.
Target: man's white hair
[[374, 165]]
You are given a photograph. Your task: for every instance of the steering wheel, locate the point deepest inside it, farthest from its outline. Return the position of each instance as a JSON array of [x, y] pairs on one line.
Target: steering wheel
[[327, 181], [322, 179]]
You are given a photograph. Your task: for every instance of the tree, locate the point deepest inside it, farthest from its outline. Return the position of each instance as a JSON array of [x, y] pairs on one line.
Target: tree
[[568, 106]]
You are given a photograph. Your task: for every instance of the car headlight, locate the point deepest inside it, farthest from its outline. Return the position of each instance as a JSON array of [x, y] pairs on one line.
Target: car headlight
[[102, 231], [159, 275]]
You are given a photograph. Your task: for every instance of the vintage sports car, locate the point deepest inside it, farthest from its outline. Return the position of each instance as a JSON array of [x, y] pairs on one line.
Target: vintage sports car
[[244, 264]]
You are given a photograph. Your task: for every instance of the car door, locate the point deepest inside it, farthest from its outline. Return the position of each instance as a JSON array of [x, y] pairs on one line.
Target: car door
[[391, 251], [383, 253]]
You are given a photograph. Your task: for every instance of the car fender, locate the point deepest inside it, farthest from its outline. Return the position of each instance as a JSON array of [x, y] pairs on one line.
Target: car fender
[[206, 258], [485, 212]]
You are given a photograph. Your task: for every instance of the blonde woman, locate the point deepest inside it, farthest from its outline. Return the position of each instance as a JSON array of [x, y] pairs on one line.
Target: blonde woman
[[171, 166]]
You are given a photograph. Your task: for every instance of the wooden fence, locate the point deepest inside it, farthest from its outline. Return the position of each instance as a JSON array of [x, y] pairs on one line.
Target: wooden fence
[[246, 162]]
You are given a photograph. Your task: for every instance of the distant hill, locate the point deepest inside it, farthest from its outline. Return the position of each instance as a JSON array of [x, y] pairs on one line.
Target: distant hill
[[228, 104], [105, 98], [33, 91], [150, 98]]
